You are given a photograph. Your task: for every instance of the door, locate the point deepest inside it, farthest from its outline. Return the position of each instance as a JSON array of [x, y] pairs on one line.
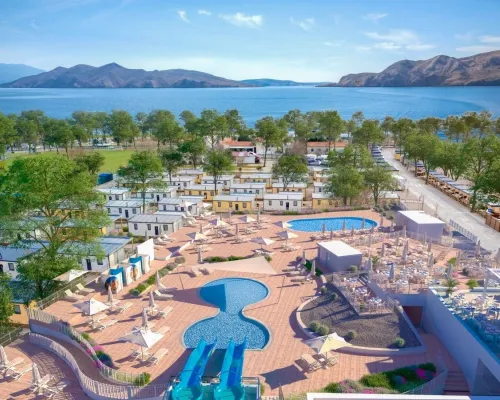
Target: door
[[89, 264], [237, 207], [157, 197], [157, 231], [126, 213], [287, 205]]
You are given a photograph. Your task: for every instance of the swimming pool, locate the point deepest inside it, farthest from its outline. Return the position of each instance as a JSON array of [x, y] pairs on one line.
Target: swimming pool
[[231, 296], [331, 224]]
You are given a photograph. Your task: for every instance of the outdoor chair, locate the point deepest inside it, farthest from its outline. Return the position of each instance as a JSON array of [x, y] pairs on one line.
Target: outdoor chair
[[156, 357], [194, 272], [18, 374], [331, 359], [83, 289], [103, 325], [162, 296], [124, 307], [206, 271], [73, 296], [41, 386], [163, 330], [92, 321], [163, 313], [311, 363], [11, 364]]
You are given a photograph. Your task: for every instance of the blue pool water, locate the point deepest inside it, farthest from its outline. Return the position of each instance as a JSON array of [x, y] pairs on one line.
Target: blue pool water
[[332, 224], [231, 296]]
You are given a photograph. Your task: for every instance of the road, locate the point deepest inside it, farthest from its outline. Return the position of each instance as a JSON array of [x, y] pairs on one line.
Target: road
[[447, 208]]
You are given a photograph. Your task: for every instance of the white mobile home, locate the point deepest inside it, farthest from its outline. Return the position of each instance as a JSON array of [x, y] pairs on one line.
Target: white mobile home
[[300, 187], [154, 195], [192, 172], [180, 182], [249, 188], [180, 204], [154, 225], [319, 187], [283, 202], [115, 193], [262, 177], [124, 208], [224, 180]]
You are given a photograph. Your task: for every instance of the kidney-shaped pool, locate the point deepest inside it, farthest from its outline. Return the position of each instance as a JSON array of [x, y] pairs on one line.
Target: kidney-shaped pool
[[231, 296], [330, 224]]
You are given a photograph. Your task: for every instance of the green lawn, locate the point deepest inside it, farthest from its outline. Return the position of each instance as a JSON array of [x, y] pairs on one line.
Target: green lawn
[[113, 158]]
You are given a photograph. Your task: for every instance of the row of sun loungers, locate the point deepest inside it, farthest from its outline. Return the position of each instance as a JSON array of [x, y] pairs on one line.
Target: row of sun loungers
[[313, 364]]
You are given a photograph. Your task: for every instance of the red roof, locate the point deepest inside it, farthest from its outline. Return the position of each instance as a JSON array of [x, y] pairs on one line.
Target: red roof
[[325, 144], [235, 143]]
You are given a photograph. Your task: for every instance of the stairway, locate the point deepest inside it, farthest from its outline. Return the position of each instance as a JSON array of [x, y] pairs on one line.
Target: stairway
[[456, 384]]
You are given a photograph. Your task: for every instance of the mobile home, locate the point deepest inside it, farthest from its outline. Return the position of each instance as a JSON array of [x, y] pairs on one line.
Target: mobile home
[[283, 202]]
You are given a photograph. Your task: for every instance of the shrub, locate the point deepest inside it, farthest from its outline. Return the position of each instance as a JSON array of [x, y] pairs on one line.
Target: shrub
[[323, 290], [290, 213], [141, 287], [399, 342], [134, 292], [428, 367], [362, 307], [104, 357], [180, 260], [143, 379], [215, 259], [390, 217], [172, 266], [235, 258], [406, 372], [452, 261], [268, 258], [376, 380], [163, 272], [472, 283], [351, 335], [386, 207], [384, 214], [335, 296], [314, 326], [353, 269], [332, 388], [325, 210], [262, 390], [125, 229], [150, 280], [323, 330]]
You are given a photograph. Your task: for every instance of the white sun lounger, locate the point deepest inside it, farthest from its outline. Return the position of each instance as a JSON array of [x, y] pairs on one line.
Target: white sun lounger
[[84, 289], [311, 363], [194, 272], [73, 296], [163, 296], [163, 330], [11, 364], [106, 324], [167, 310], [124, 307], [19, 373], [156, 357]]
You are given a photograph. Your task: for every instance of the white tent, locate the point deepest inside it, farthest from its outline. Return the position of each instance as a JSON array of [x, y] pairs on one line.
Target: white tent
[[197, 236], [218, 223], [283, 225], [247, 219], [144, 338]]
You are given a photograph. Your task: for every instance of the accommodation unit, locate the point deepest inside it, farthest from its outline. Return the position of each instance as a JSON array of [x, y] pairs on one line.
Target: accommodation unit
[[319, 187], [223, 180], [321, 201], [206, 191], [154, 195], [224, 203], [337, 256], [115, 193], [196, 173], [237, 146], [262, 177], [324, 147], [318, 173], [299, 187], [180, 204], [149, 225], [249, 188], [284, 201], [421, 223], [11, 256], [124, 208], [181, 182]]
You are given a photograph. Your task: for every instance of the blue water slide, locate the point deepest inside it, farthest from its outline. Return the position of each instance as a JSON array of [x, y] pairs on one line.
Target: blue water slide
[[189, 386], [230, 387]]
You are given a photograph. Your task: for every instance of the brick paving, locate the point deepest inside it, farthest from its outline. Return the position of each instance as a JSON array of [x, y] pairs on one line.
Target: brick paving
[[277, 364]]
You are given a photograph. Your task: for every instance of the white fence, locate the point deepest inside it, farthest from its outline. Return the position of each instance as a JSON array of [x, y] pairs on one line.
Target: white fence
[[460, 229]]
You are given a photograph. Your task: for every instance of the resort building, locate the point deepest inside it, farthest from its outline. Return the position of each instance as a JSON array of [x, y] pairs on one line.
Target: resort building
[[11, 256], [322, 201], [249, 188], [182, 204], [299, 187], [124, 208], [283, 202], [324, 147], [224, 203], [318, 173], [154, 195], [319, 187], [236, 146], [223, 180], [147, 225], [196, 173], [181, 181], [337, 256], [115, 193], [421, 223], [206, 191], [261, 177]]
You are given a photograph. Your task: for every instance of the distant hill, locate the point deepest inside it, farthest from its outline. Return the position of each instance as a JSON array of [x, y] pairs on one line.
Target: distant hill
[[276, 82], [478, 70], [11, 72], [115, 76]]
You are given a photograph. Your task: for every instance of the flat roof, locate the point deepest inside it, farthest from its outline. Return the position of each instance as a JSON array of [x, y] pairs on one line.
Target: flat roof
[[10, 253], [124, 203], [283, 196], [161, 190], [319, 184], [221, 178], [339, 248], [194, 171], [291, 184], [236, 197], [174, 200], [151, 218], [321, 196], [114, 190], [262, 175], [246, 185], [194, 199], [209, 186], [179, 178], [421, 217]]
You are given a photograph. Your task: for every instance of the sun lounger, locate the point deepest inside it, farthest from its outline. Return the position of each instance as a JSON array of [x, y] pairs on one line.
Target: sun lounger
[[205, 271], [139, 353], [167, 310], [73, 296], [84, 289], [163, 330], [194, 272], [11, 364], [106, 324], [41, 385], [298, 279], [156, 357], [124, 307], [162, 296], [311, 363], [164, 289], [94, 320], [18, 374], [331, 359]]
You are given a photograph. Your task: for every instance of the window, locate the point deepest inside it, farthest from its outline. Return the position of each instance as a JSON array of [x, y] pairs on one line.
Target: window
[[117, 197], [320, 189], [165, 228], [109, 210], [164, 195], [152, 195], [211, 193], [312, 150], [244, 205], [281, 203], [17, 309], [257, 191], [244, 191], [111, 197], [135, 227], [190, 193], [100, 261], [295, 203], [230, 204], [219, 204], [164, 207], [149, 227], [12, 267], [119, 210], [270, 203], [319, 202], [134, 210]]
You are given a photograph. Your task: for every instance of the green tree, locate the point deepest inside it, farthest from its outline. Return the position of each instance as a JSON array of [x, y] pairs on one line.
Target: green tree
[[171, 160], [213, 126], [143, 171], [331, 126], [59, 134], [83, 125], [345, 183], [7, 130], [378, 179], [451, 159], [272, 133], [235, 123], [121, 126], [99, 124], [218, 163], [92, 162], [386, 125], [455, 128], [290, 168], [401, 129], [190, 121], [51, 202], [141, 119], [194, 148], [28, 131], [353, 155], [165, 127], [368, 133], [6, 305]]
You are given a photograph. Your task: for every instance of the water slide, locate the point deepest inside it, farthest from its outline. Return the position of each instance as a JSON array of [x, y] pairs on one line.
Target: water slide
[[230, 387], [189, 386]]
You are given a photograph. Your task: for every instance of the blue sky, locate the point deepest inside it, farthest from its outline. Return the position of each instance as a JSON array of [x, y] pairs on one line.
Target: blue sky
[[308, 40]]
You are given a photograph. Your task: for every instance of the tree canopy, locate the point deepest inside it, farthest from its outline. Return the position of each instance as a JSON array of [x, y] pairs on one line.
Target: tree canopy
[[290, 168]]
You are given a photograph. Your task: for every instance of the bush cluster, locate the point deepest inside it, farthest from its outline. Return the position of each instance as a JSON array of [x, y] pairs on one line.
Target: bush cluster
[[323, 290], [353, 269], [399, 342], [350, 335], [335, 296], [216, 259], [319, 328], [308, 266], [143, 379]]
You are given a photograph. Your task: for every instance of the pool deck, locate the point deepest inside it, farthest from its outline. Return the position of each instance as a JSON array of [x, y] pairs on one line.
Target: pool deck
[[278, 363]]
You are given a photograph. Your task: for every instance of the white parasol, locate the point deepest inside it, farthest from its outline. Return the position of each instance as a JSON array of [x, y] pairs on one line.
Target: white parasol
[[283, 225], [323, 344], [197, 236], [91, 306], [262, 241], [247, 219], [144, 338]]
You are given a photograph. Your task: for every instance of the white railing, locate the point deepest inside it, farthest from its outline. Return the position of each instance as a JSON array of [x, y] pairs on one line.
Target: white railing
[[460, 229], [378, 237], [94, 389]]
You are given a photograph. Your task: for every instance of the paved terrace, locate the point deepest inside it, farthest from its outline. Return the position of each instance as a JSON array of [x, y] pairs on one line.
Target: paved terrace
[[277, 363]]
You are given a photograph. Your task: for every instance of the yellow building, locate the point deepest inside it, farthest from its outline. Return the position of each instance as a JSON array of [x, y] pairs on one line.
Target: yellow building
[[224, 203], [207, 191], [319, 174], [196, 173], [322, 201], [262, 177], [20, 315], [296, 187]]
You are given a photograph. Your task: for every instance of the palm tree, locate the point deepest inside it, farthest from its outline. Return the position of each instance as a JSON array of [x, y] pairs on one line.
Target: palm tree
[[450, 285]]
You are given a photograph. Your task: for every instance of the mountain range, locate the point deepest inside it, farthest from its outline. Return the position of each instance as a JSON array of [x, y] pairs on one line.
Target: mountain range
[[11, 72], [478, 70]]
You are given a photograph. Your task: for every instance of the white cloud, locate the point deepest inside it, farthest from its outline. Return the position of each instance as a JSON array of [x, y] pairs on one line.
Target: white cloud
[[204, 12], [374, 17], [489, 39], [362, 48], [183, 15], [336, 43], [386, 46], [420, 46], [242, 20], [306, 24], [466, 37], [480, 48], [396, 39]]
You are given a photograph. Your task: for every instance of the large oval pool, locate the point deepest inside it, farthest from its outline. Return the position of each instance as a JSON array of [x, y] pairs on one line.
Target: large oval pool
[[231, 296], [331, 224]]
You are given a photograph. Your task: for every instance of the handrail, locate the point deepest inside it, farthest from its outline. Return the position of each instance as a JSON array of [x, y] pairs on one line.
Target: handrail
[[10, 336]]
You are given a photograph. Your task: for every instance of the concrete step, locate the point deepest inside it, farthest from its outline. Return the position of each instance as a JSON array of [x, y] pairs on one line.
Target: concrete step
[[455, 382]]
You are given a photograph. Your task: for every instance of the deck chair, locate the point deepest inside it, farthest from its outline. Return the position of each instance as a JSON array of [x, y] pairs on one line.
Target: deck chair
[[156, 357], [163, 313], [311, 363], [194, 272], [73, 296], [163, 330], [124, 307], [331, 359], [106, 324], [83, 289], [205, 271], [162, 296], [18, 374], [11, 364]]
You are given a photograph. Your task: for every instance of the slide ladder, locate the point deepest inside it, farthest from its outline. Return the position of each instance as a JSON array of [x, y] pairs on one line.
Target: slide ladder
[[230, 387], [189, 386]]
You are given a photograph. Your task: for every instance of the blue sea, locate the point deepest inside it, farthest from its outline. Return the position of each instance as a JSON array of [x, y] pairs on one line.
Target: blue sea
[[255, 103]]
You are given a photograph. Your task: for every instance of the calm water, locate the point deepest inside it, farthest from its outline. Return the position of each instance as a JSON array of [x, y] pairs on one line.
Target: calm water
[[330, 224], [254, 103]]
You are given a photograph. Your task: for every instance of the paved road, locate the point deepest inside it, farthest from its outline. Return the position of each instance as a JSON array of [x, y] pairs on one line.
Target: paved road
[[447, 207]]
